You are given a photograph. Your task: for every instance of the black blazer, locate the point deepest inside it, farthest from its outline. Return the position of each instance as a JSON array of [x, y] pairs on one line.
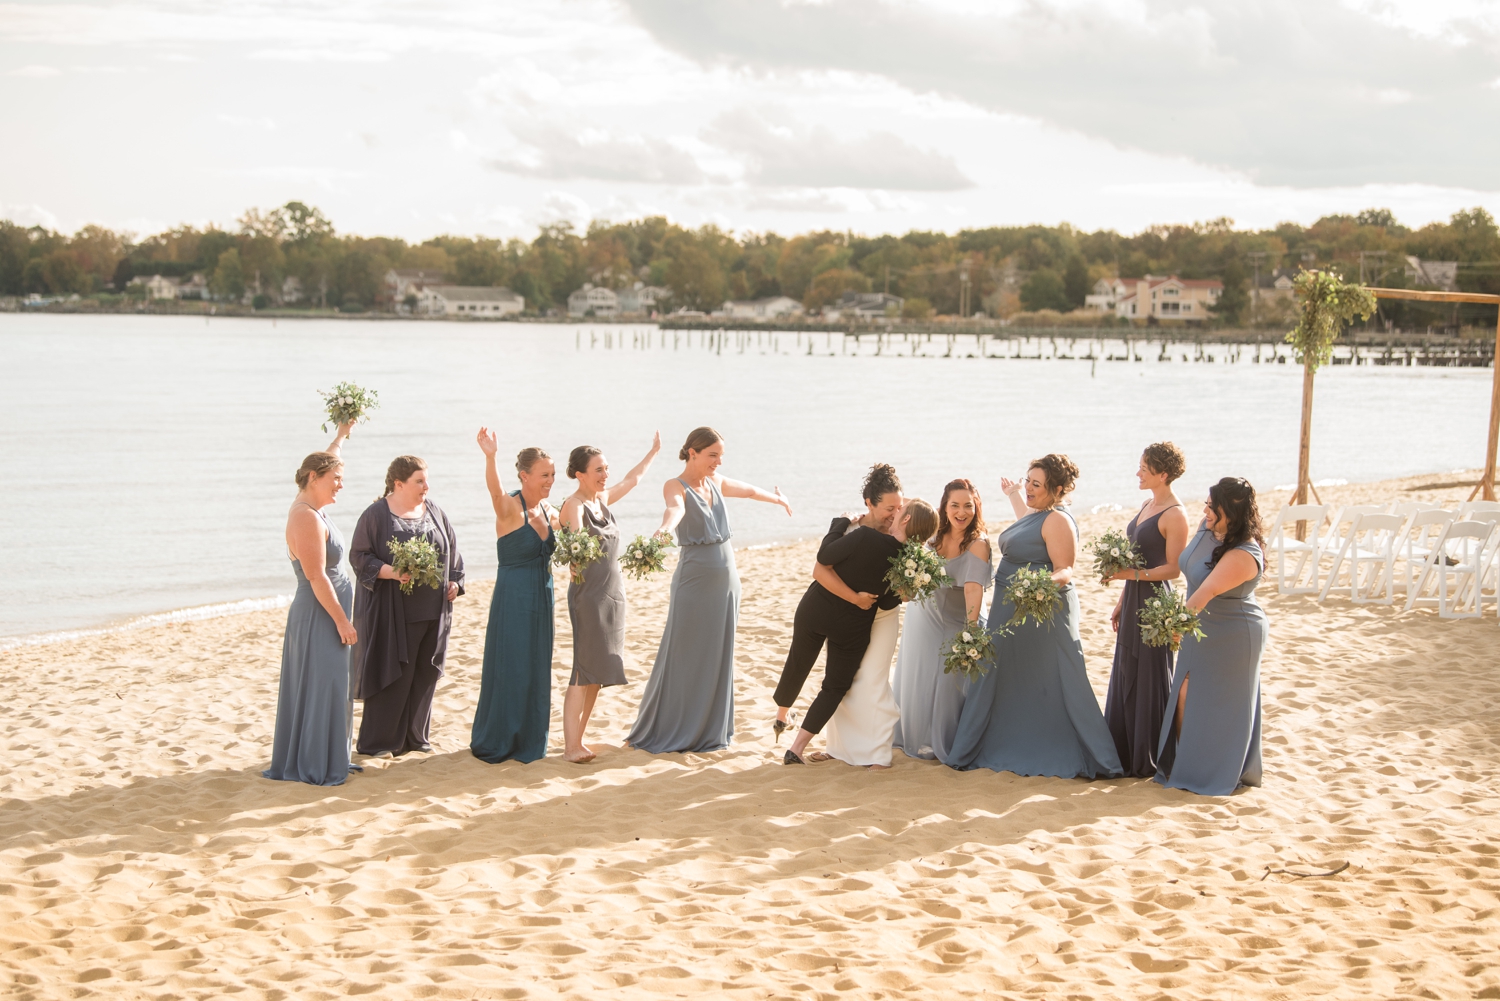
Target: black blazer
[[861, 558]]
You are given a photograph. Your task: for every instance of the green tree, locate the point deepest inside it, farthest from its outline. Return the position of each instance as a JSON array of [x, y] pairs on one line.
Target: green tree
[[1234, 301], [829, 286], [696, 279], [228, 278], [1044, 290], [1076, 281], [916, 308]]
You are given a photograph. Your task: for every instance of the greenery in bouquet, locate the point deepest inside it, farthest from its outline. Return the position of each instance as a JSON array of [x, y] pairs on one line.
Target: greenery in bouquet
[[348, 403], [1034, 594], [419, 558], [971, 651], [1166, 619], [916, 572], [1112, 553], [646, 555], [576, 550]]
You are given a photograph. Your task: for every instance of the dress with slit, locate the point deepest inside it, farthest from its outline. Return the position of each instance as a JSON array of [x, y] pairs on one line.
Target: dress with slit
[[1141, 676]]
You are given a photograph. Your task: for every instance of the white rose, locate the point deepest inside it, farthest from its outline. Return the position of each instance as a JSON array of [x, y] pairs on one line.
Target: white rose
[[638, 555], [1182, 617], [973, 654], [968, 638], [576, 547], [1114, 552], [911, 573], [911, 564], [924, 578], [955, 648]]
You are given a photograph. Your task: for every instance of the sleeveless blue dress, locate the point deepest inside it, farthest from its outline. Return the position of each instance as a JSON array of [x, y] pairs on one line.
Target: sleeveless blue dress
[[1141, 675], [1034, 712], [312, 709], [1219, 749], [688, 704], [515, 687]]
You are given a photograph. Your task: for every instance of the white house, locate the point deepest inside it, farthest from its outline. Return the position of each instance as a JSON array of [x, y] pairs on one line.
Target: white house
[[593, 300], [640, 299], [865, 306], [401, 282], [1433, 274], [770, 308], [1107, 292], [193, 287], [1169, 299], [474, 301], [157, 287], [291, 289]]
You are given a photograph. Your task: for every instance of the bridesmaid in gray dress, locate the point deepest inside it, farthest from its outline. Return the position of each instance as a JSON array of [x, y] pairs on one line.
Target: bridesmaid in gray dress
[[1211, 743], [596, 607], [312, 711], [1034, 712], [688, 704]]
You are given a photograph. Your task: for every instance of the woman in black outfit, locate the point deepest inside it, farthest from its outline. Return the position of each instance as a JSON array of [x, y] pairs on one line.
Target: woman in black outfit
[[860, 551]]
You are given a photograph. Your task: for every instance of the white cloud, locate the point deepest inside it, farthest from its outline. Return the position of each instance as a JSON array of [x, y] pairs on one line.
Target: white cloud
[[550, 152], [36, 72]]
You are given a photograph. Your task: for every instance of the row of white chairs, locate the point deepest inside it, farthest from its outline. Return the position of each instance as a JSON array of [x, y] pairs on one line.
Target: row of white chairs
[[1430, 556]]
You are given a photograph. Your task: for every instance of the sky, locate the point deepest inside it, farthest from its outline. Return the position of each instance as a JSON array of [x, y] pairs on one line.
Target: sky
[[411, 119]]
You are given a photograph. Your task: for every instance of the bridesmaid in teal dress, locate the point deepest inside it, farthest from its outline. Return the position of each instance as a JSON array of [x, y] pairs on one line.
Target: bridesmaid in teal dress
[[1034, 712], [515, 688], [1211, 743]]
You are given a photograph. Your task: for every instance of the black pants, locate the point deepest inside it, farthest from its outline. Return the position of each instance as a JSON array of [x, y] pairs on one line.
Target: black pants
[[819, 619], [398, 718]]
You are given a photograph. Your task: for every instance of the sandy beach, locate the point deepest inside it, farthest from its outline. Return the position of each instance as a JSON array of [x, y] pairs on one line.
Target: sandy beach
[[143, 856]]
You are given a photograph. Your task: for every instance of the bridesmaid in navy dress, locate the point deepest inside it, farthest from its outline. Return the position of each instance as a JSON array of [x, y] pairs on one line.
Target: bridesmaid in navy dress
[[1211, 745], [1034, 712], [1138, 683], [515, 688]]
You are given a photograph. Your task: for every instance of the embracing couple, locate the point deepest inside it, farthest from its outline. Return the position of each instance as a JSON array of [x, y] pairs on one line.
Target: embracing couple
[[850, 608]]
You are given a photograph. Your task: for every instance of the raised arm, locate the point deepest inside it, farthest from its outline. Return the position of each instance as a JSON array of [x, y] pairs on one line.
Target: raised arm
[[1012, 489], [676, 507], [338, 439], [1234, 568], [308, 540], [1062, 546], [633, 478], [734, 488], [507, 508]]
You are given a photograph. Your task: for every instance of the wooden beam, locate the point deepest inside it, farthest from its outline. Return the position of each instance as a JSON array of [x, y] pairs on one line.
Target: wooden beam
[[1425, 296]]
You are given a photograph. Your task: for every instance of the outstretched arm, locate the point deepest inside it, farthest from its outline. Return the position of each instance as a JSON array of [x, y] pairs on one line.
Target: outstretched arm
[[676, 507], [633, 478], [734, 488]]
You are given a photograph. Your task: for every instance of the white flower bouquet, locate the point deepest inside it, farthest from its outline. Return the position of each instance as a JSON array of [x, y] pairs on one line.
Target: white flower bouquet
[[916, 572], [1112, 553], [971, 652], [1166, 619], [646, 555], [418, 557], [348, 403], [576, 550], [1034, 594]]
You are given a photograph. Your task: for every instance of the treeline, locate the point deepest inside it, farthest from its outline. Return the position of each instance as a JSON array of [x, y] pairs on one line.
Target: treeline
[[1009, 269]]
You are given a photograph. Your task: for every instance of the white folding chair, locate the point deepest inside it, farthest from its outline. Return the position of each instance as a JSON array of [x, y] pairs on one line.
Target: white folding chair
[[1423, 533], [1342, 520], [1468, 509], [1285, 544], [1367, 560], [1454, 570]]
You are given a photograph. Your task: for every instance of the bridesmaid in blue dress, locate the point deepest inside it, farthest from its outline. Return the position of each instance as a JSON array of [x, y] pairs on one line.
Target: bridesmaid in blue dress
[[312, 711], [688, 704], [1211, 745], [1034, 712], [515, 688]]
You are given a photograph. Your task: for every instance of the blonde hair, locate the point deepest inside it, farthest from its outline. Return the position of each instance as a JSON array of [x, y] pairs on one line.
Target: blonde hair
[[921, 520], [314, 466]]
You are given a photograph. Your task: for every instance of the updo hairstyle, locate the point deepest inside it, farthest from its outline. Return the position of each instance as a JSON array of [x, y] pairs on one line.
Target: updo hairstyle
[[1165, 459], [528, 457], [697, 440], [881, 480], [1059, 472], [314, 466], [579, 459], [400, 470], [921, 520]]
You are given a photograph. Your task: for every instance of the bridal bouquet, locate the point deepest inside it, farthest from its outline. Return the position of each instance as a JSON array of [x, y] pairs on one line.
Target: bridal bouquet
[[1166, 619], [1112, 553], [646, 555], [348, 402], [971, 652], [576, 550], [916, 572], [418, 557], [1035, 595]]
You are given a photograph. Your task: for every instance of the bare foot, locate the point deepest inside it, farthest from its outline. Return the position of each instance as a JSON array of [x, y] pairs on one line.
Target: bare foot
[[880, 768], [579, 759], [819, 756]]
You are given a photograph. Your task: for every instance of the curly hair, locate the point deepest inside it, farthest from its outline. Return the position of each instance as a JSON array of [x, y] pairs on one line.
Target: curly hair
[[314, 466], [881, 480], [579, 459], [976, 527], [1233, 499], [697, 440], [1165, 458], [1059, 472]]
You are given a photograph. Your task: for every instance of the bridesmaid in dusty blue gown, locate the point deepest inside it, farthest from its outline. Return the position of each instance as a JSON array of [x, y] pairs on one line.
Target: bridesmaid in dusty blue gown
[[1211, 744], [1034, 712], [688, 704], [515, 688], [312, 711]]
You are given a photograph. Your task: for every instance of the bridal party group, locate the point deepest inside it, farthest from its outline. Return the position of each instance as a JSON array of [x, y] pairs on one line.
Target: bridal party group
[[1190, 720]]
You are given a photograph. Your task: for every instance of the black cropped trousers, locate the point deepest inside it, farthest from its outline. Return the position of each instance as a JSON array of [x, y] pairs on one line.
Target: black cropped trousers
[[846, 630]]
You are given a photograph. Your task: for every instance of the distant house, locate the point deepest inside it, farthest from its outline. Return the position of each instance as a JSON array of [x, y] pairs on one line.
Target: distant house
[[1442, 275], [593, 300], [195, 286], [640, 300], [477, 301], [1276, 286], [770, 308], [157, 287], [1107, 292], [401, 282], [1169, 299], [865, 306], [291, 289]]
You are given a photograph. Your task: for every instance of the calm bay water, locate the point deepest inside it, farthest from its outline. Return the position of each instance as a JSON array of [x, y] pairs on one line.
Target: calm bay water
[[150, 458]]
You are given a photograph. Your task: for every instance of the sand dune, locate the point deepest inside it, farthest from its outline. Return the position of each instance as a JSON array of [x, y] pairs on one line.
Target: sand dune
[[141, 855]]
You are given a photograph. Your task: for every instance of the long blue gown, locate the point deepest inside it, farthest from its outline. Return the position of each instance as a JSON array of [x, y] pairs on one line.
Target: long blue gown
[[688, 704], [1219, 749], [312, 710], [515, 688], [1034, 712], [1141, 676]]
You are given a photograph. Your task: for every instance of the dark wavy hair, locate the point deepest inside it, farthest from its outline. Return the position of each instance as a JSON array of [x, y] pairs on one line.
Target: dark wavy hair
[[881, 480], [1233, 500], [1059, 472], [976, 527]]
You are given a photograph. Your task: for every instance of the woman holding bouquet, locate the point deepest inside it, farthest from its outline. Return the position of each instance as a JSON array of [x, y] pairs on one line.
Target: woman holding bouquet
[[1142, 674], [688, 704], [1211, 744], [312, 710], [515, 688], [930, 700], [596, 607], [1034, 712], [403, 638]]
